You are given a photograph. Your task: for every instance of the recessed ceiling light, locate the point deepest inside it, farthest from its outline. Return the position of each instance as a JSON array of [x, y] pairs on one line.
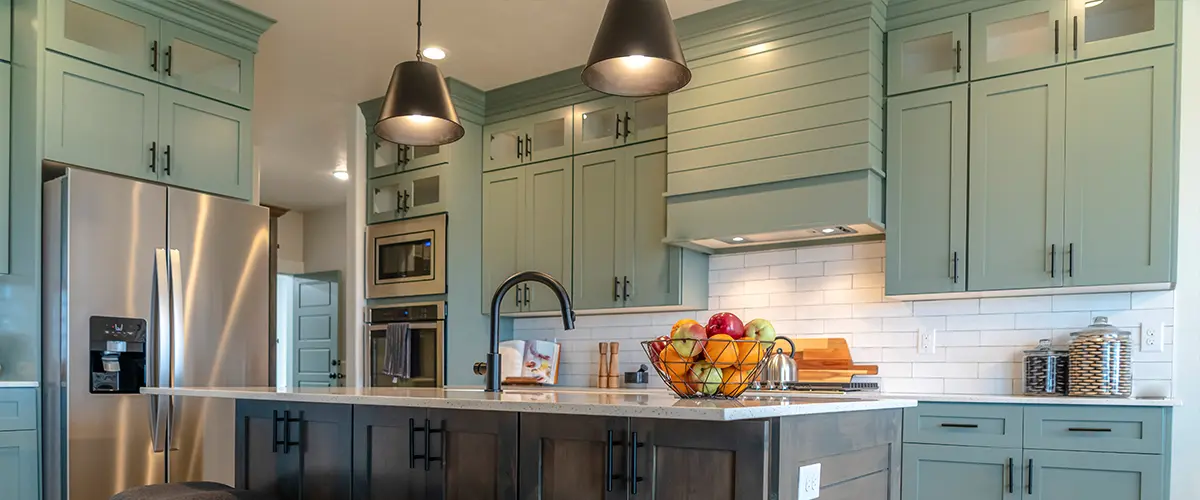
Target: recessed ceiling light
[[829, 230], [341, 175], [435, 53], [739, 239]]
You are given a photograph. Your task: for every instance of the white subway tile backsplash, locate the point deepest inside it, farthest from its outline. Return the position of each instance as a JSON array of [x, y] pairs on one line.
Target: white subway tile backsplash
[[837, 291]]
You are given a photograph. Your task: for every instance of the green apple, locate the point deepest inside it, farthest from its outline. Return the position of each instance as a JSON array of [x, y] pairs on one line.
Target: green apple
[[708, 378], [761, 330]]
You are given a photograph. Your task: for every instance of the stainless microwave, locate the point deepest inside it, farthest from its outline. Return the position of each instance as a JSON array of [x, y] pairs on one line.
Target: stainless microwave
[[407, 258]]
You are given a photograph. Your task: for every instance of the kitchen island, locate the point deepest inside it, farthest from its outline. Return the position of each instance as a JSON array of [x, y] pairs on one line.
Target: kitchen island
[[368, 443]]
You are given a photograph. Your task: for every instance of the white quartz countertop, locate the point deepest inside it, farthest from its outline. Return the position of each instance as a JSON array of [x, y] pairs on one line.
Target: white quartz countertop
[[4, 384], [653, 403]]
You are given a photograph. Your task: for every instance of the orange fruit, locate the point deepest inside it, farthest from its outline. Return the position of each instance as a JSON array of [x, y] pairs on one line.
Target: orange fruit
[[749, 354], [684, 385], [720, 350], [734, 381], [675, 365]]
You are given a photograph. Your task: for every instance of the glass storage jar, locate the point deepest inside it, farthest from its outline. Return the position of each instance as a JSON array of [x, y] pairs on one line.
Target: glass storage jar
[[1101, 361], [1046, 370]]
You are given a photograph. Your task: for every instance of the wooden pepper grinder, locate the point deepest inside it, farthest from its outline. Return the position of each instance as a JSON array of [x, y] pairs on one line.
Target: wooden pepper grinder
[[614, 367], [602, 374]]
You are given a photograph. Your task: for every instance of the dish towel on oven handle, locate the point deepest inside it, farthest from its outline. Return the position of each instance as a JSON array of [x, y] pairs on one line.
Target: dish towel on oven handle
[[397, 351]]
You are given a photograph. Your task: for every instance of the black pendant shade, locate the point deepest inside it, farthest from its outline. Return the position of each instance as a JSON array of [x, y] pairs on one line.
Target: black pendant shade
[[636, 52], [417, 110]]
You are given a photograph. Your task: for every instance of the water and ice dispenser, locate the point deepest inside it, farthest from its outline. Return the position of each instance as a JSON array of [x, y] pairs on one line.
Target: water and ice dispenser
[[118, 355]]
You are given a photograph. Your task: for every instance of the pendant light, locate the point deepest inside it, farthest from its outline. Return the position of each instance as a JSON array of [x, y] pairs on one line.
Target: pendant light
[[416, 109], [636, 52]]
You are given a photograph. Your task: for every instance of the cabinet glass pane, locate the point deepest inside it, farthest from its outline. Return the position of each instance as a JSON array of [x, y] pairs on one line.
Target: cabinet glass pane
[[1019, 37], [502, 146], [928, 55], [103, 31], [198, 64], [598, 124], [418, 152], [650, 113], [550, 134], [426, 191], [386, 153], [1106, 19], [385, 200]]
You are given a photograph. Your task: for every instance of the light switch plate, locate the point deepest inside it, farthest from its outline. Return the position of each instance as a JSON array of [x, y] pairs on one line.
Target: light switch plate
[[926, 340], [810, 482]]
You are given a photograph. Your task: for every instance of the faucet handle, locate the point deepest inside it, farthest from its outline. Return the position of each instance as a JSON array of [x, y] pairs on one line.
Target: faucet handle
[[480, 368]]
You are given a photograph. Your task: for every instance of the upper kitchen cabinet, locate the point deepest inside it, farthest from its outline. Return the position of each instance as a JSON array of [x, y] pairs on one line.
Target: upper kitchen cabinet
[[1101, 28], [1016, 181], [539, 137], [204, 145], [927, 192], [160, 41], [6, 30], [1017, 37], [617, 121], [383, 157], [929, 55], [1120, 171], [5, 161], [406, 195], [503, 217]]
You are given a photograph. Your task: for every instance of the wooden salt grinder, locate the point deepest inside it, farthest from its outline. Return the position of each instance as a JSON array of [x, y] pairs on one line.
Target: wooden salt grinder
[[614, 367], [602, 374]]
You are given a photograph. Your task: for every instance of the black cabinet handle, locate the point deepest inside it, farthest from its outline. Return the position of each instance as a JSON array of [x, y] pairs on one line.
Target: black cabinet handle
[[625, 289], [1010, 476], [1053, 252], [1088, 429], [958, 56], [428, 453], [616, 288], [167, 160], [519, 297], [287, 430], [407, 197], [520, 144], [961, 426], [275, 442], [634, 478], [154, 156], [608, 464], [626, 125], [1075, 33], [168, 60], [528, 147], [154, 56], [399, 202], [1055, 37], [618, 136], [527, 294], [954, 270], [412, 444], [1070, 260], [1029, 485]]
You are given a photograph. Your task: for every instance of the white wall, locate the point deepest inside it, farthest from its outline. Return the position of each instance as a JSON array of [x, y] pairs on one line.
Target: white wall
[[325, 240], [291, 242]]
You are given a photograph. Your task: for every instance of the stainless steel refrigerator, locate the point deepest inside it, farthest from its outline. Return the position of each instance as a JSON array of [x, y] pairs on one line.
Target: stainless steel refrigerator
[[145, 285]]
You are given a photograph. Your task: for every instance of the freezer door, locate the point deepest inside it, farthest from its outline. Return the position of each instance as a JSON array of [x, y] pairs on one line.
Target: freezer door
[[219, 334], [110, 230]]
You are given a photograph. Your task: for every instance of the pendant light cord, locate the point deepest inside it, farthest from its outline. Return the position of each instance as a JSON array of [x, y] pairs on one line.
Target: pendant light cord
[[419, 58]]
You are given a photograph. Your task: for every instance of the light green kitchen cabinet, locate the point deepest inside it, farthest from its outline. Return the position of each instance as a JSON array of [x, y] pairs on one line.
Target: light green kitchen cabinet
[[5, 162], [503, 215], [618, 121], [418, 157], [1015, 196], [101, 119], [383, 157], [938, 472], [1068, 475], [1116, 26], [1120, 169], [927, 192], [547, 230], [6, 30], [203, 64], [599, 235], [929, 55], [19, 478], [406, 195], [654, 269], [106, 32], [539, 137], [204, 145], [1018, 36]]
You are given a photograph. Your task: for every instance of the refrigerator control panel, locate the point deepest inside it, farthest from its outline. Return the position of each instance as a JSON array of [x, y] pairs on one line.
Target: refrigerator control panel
[[105, 328]]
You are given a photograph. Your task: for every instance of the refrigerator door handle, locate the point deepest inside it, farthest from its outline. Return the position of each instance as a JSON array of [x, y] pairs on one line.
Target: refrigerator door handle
[[177, 342], [159, 358]]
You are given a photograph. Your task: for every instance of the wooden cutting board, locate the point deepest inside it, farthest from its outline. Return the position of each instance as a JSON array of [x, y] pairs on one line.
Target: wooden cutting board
[[824, 360]]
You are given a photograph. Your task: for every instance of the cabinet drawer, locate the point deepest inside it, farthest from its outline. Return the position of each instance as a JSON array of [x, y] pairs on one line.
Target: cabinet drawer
[[964, 425], [1093, 428], [18, 409]]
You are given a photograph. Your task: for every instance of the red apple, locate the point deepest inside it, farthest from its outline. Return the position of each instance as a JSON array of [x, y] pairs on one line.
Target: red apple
[[760, 329], [726, 323], [687, 336], [657, 345]]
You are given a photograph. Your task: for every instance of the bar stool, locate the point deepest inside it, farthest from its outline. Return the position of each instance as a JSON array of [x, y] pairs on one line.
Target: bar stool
[[189, 491]]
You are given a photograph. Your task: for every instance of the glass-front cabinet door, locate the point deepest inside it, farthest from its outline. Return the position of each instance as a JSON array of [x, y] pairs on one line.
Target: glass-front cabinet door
[[383, 156], [415, 157], [1106, 27], [384, 199], [421, 192], [105, 32], [504, 145], [928, 55], [202, 64], [598, 124], [645, 119], [1017, 37], [549, 135]]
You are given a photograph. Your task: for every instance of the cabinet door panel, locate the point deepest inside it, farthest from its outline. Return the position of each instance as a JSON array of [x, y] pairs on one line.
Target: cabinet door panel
[[261, 463], [426, 192], [928, 55], [598, 124], [1067, 475], [19, 478], [1115, 26], [382, 158], [105, 32], [503, 216], [384, 447], [384, 201], [700, 460], [927, 192], [101, 119], [1018, 37], [652, 266], [209, 143], [549, 135], [478, 452], [547, 235], [326, 441], [207, 66], [958, 472], [502, 142], [416, 157], [647, 119], [1120, 184], [599, 243], [5, 162], [565, 457], [1016, 171]]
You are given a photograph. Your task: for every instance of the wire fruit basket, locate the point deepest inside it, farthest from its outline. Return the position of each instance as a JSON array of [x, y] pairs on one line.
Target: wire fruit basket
[[713, 368]]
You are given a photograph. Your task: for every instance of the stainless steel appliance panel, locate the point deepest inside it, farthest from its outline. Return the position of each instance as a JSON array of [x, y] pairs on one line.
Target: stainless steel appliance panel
[[427, 328], [407, 258], [219, 293]]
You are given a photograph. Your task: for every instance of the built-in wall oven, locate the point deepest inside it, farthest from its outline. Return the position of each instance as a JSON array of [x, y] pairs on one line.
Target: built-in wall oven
[[407, 258], [426, 324]]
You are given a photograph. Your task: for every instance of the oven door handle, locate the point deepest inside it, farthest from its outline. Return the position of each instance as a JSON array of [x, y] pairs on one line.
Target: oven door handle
[[382, 327]]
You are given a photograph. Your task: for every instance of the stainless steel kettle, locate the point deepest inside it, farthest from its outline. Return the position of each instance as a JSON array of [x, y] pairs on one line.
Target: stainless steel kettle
[[780, 369]]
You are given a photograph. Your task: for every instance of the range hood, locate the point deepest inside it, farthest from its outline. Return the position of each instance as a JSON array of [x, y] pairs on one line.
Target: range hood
[[810, 210]]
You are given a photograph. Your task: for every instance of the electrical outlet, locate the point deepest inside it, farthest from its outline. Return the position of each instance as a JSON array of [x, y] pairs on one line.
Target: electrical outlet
[[926, 340], [1152, 338], [810, 482]]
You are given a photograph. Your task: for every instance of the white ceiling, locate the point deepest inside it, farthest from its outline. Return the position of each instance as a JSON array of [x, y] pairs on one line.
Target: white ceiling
[[325, 56]]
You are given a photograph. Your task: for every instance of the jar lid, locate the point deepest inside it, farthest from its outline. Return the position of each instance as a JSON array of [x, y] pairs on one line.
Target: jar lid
[[1100, 326], [1044, 348]]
